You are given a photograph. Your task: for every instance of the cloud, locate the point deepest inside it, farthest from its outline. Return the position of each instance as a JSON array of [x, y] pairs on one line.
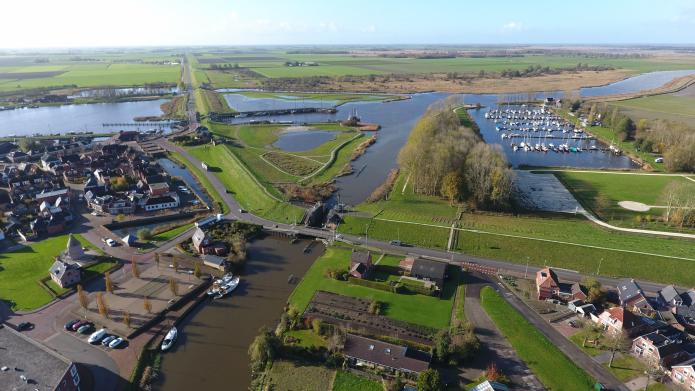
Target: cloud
[[512, 26], [368, 29]]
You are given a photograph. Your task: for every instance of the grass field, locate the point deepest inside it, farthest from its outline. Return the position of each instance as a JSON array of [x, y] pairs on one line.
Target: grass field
[[170, 234], [250, 193], [339, 98], [547, 362], [204, 181], [88, 75], [291, 376], [346, 381], [669, 107], [566, 241], [419, 309], [647, 189], [20, 271], [307, 338], [626, 367]]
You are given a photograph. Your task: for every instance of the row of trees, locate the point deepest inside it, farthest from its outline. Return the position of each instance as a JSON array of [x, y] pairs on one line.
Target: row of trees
[[446, 159]]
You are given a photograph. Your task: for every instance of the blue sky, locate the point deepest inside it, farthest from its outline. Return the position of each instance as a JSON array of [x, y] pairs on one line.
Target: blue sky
[[70, 23]]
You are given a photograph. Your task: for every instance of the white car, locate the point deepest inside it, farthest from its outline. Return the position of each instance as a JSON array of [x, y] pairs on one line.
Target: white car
[[116, 342], [111, 243], [97, 336], [95, 213]]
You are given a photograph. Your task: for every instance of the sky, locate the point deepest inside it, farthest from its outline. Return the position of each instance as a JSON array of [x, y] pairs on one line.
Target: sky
[[101, 23]]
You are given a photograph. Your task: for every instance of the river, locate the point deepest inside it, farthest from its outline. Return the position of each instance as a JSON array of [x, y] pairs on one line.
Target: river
[[211, 353]]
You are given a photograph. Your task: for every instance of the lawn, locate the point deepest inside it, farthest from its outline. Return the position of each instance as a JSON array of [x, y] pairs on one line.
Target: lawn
[[590, 349], [670, 107], [307, 338], [347, 381], [418, 309], [292, 376], [248, 191], [170, 234], [203, 179], [616, 187], [20, 271], [566, 241], [626, 367], [548, 363]]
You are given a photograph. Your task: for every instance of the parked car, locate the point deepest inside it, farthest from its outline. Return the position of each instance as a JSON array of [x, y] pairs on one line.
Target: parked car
[[68, 326], [97, 336], [107, 340], [242, 210], [396, 243], [95, 213], [79, 324], [111, 243], [85, 329], [116, 343], [25, 326]]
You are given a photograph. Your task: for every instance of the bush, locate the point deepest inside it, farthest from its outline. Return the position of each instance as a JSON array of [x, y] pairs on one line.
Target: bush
[[144, 234]]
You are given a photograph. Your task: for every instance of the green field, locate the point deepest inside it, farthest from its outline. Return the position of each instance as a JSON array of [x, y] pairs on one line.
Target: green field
[[250, 193], [565, 241], [418, 309], [346, 381], [616, 187], [626, 367], [307, 338], [291, 376], [171, 233], [339, 98], [20, 271], [669, 107], [204, 181], [87, 75], [547, 362]]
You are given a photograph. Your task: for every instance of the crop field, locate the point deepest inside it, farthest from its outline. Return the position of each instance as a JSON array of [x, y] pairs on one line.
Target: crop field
[[566, 241], [86, 75], [548, 363]]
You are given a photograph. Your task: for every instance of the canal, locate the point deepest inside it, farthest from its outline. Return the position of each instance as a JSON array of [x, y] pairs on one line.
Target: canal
[[211, 353]]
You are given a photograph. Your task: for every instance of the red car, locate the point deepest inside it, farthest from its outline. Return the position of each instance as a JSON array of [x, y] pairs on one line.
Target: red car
[[79, 324]]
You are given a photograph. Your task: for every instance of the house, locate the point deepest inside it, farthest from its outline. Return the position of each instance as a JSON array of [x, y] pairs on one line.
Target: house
[[168, 201], [158, 188], [203, 244], [669, 296], [17, 156], [125, 136], [360, 264], [65, 274], [429, 270], [366, 352], [683, 375], [490, 386], [43, 368], [660, 349], [578, 292], [109, 204], [214, 261], [632, 297], [407, 264], [619, 320], [547, 284]]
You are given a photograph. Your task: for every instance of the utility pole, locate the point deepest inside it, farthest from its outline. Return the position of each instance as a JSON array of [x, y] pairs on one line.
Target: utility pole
[[526, 272]]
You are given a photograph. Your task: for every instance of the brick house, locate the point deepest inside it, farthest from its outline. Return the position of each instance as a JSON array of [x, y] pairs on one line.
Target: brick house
[[360, 264], [658, 348], [632, 297], [683, 375], [547, 284], [619, 320]]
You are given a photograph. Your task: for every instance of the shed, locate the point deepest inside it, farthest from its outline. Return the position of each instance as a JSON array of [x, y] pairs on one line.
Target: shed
[[214, 261], [129, 240]]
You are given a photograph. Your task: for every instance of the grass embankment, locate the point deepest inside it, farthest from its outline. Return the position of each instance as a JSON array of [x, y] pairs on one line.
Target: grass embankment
[[291, 376], [543, 239], [204, 181], [248, 191], [347, 381], [209, 101], [589, 187], [170, 233], [21, 270], [176, 107], [418, 309], [548, 363]]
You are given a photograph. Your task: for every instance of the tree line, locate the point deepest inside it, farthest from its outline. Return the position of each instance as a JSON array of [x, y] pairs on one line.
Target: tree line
[[446, 159]]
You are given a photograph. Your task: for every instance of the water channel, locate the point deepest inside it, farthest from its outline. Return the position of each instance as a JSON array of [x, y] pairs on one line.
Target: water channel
[[211, 353]]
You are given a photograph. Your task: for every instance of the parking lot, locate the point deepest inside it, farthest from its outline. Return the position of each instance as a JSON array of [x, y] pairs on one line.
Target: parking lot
[[85, 338]]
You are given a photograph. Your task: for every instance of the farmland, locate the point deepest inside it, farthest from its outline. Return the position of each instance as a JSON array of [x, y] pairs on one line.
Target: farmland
[[670, 107]]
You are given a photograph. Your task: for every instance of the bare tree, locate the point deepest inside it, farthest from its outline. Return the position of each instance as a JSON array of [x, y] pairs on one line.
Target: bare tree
[[83, 299], [156, 260], [108, 283], [174, 286], [196, 270], [126, 319], [134, 268], [616, 342], [146, 304], [175, 264]]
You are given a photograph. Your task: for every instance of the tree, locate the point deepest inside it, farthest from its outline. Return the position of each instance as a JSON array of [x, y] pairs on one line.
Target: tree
[[126, 319], [196, 270], [174, 286], [616, 342], [336, 342], [440, 346], [452, 186], [83, 299], [144, 234], [596, 294], [317, 326], [262, 350], [429, 380], [120, 183], [156, 260], [488, 177], [147, 305], [101, 305], [625, 128], [175, 264], [134, 268], [27, 144], [107, 282]]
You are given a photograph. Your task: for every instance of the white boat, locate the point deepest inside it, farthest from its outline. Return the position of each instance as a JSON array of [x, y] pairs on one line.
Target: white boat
[[227, 288], [169, 339]]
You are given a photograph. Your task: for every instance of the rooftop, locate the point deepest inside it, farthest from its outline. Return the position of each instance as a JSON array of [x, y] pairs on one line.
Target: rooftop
[[386, 354], [43, 368]]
